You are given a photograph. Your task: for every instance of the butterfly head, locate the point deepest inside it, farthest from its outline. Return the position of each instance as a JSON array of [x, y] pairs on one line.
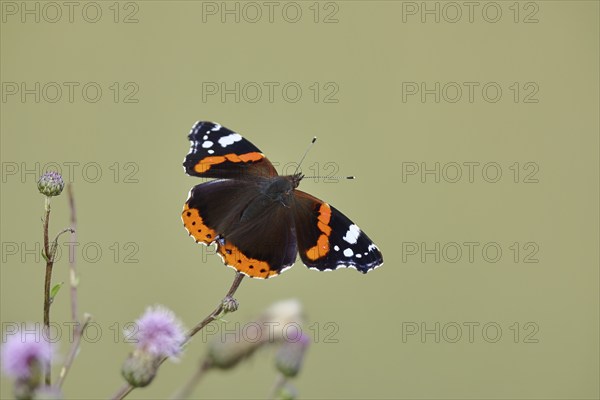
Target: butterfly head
[[281, 189]]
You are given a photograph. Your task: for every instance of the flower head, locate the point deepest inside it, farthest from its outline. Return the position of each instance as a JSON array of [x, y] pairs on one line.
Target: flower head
[[159, 332], [24, 356], [291, 354], [282, 319], [51, 184]]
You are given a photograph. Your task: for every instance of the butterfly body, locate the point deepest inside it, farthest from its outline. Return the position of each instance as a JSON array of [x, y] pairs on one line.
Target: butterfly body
[[259, 220]]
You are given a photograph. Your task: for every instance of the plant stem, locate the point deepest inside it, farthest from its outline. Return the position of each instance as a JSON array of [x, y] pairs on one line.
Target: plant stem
[[127, 388], [47, 279], [279, 383], [217, 311], [191, 384], [78, 328], [73, 280], [78, 332], [49, 252], [123, 391]]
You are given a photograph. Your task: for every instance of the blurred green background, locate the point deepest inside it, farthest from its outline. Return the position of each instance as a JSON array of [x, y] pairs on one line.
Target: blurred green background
[[367, 74]]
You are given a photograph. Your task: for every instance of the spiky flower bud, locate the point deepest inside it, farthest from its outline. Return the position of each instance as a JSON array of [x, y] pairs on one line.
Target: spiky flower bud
[[227, 353], [140, 368], [51, 184], [230, 304], [290, 356]]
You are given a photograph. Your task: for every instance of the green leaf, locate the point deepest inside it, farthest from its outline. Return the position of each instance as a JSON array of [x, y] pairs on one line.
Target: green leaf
[[55, 289]]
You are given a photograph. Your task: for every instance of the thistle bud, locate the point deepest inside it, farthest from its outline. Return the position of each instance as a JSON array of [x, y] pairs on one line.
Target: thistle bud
[[230, 304], [290, 356], [51, 184], [140, 368]]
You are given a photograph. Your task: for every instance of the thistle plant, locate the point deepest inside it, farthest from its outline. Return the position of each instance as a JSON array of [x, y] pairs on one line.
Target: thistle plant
[[159, 334], [270, 329]]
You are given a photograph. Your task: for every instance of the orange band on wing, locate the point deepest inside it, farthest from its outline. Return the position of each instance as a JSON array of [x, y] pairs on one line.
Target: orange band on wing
[[322, 247], [250, 266], [207, 162], [196, 227]]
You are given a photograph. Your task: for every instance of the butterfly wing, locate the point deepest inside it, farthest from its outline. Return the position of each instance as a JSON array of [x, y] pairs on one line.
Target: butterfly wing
[[218, 152], [328, 240], [251, 237]]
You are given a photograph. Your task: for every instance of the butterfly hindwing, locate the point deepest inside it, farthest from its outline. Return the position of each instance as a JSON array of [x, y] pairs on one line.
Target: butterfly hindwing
[[218, 152], [255, 240], [327, 239]]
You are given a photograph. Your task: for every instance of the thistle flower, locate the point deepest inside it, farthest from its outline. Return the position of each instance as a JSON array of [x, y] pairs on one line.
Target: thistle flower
[[24, 356], [290, 356], [51, 184], [159, 334], [25, 359]]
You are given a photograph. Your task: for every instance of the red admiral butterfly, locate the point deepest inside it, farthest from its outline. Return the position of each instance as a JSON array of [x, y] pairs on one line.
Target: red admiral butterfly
[[258, 219]]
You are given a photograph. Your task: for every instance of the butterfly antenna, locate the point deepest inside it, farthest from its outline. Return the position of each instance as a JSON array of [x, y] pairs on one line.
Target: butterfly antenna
[[314, 139], [330, 177]]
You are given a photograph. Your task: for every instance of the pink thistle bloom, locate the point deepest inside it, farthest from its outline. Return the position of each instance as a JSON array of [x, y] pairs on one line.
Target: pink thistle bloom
[[24, 355], [159, 332]]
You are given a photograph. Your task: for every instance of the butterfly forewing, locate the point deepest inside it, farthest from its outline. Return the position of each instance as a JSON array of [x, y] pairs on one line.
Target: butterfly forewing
[[218, 152]]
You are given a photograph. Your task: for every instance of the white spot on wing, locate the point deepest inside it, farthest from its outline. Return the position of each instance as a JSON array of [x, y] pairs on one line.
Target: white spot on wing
[[336, 247], [352, 234], [211, 151], [207, 144], [216, 128], [348, 252], [372, 247], [230, 139], [358, 255], [205, 137]]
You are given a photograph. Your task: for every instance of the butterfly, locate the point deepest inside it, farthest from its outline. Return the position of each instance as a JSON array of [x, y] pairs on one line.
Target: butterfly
[[258, 219]]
